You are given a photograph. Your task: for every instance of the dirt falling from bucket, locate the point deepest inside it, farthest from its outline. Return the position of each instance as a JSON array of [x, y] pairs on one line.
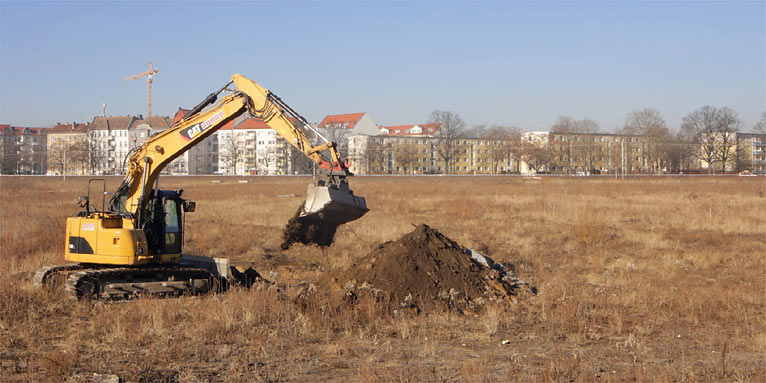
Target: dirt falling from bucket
[[298, 231], [426, 269]]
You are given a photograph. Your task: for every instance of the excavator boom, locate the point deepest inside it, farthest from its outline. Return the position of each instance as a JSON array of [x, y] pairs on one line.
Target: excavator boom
[[147, 161], [134, 246]]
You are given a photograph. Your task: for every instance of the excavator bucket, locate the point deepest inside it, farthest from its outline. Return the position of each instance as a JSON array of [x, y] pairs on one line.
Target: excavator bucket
[[335, 204]]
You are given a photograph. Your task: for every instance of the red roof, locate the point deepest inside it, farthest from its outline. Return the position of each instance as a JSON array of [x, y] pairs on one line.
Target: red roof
[[74, 127], [347, 121], [404, 130], [252, 123], [8, 130], [180, 114]]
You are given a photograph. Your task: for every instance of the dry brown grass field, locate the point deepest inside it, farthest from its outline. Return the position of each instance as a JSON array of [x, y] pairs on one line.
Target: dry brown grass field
[[639, 280]]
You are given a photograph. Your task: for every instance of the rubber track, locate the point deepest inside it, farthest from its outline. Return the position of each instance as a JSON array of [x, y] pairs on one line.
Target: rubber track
[[43, 275], [86, 283]]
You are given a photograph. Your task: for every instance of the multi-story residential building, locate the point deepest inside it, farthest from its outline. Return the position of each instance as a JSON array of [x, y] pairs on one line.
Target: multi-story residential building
[[143, 128], [409, 130], [339, 127], [535, 152], [751, 152], [416, 154], [605, 153], [109, 143], [22, 150], [67, 146], [271, 150], [249, 146], [236, 148]]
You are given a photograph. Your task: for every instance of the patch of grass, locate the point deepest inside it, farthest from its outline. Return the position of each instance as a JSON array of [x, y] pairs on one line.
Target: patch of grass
[[645, 280]]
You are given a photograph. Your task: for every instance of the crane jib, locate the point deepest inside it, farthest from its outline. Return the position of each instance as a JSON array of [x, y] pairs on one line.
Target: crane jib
[[196, 129]]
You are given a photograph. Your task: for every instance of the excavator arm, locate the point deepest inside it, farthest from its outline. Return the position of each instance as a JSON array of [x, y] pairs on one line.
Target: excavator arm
[[329, 201]]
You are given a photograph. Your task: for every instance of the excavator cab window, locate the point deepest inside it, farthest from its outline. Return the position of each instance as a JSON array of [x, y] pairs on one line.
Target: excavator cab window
[[172, 226], [164, 228]]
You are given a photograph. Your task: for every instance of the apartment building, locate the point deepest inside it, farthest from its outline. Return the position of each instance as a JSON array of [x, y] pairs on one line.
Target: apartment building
[[22, 150], [248, 145], [403, 151], [751, 152], [109, 141], [606, 153], [409, 130], [419, 154], [339, 127], [67, 148]]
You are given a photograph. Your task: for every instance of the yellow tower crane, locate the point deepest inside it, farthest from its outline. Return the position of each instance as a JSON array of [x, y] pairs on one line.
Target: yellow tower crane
[[149, 73]]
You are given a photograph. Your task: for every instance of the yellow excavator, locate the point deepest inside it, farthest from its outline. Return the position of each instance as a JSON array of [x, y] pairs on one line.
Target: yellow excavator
[[133, 245]]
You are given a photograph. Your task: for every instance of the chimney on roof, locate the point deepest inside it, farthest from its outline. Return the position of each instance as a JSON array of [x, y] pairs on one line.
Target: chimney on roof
[[73, 125]]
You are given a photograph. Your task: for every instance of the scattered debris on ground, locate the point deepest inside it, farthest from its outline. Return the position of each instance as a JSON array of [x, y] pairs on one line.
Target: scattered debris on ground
[[297, 230], [247, 277], [426, 269]]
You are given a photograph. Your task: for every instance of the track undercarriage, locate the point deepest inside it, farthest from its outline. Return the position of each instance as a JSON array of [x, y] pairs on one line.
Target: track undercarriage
[[197, 275]]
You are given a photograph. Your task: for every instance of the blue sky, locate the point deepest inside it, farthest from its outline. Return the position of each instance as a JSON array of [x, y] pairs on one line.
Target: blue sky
[[507, 63]]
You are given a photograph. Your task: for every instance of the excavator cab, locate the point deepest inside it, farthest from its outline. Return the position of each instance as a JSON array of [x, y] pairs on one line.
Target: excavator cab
[[163, 226]]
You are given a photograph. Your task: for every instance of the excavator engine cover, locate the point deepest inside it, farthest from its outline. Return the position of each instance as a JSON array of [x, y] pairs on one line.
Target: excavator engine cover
[[336, 204]]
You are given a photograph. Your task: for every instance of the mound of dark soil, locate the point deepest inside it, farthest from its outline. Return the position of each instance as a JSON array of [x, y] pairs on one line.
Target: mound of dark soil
[[297, 230], [426, 269]]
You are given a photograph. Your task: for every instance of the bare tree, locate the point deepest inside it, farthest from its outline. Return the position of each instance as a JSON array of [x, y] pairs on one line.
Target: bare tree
[[338, 135], [451, 127], [504, 141], [59, 154], [760, 126], [585, 149], [645, 122], [299, 163], [649, 123], [581, 146], [231, 150], [407, 155], [679, 154], [727, 127], [714, 131], [265, 159], [699, 128], [92, 152], [565, 124], [375, 155], [537, 157], [587, 125]]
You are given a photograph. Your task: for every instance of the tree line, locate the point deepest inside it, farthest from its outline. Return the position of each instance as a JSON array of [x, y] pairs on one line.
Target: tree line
[[707, 134]]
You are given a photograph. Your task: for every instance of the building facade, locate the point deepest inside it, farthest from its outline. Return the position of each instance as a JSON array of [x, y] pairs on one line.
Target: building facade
[[415, 154], [22, 150], [109, 144], [751, 152], [67, 149]]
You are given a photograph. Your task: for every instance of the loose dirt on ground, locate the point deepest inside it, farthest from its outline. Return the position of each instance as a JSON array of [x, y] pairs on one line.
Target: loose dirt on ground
[[425, 269], [646, 279]]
